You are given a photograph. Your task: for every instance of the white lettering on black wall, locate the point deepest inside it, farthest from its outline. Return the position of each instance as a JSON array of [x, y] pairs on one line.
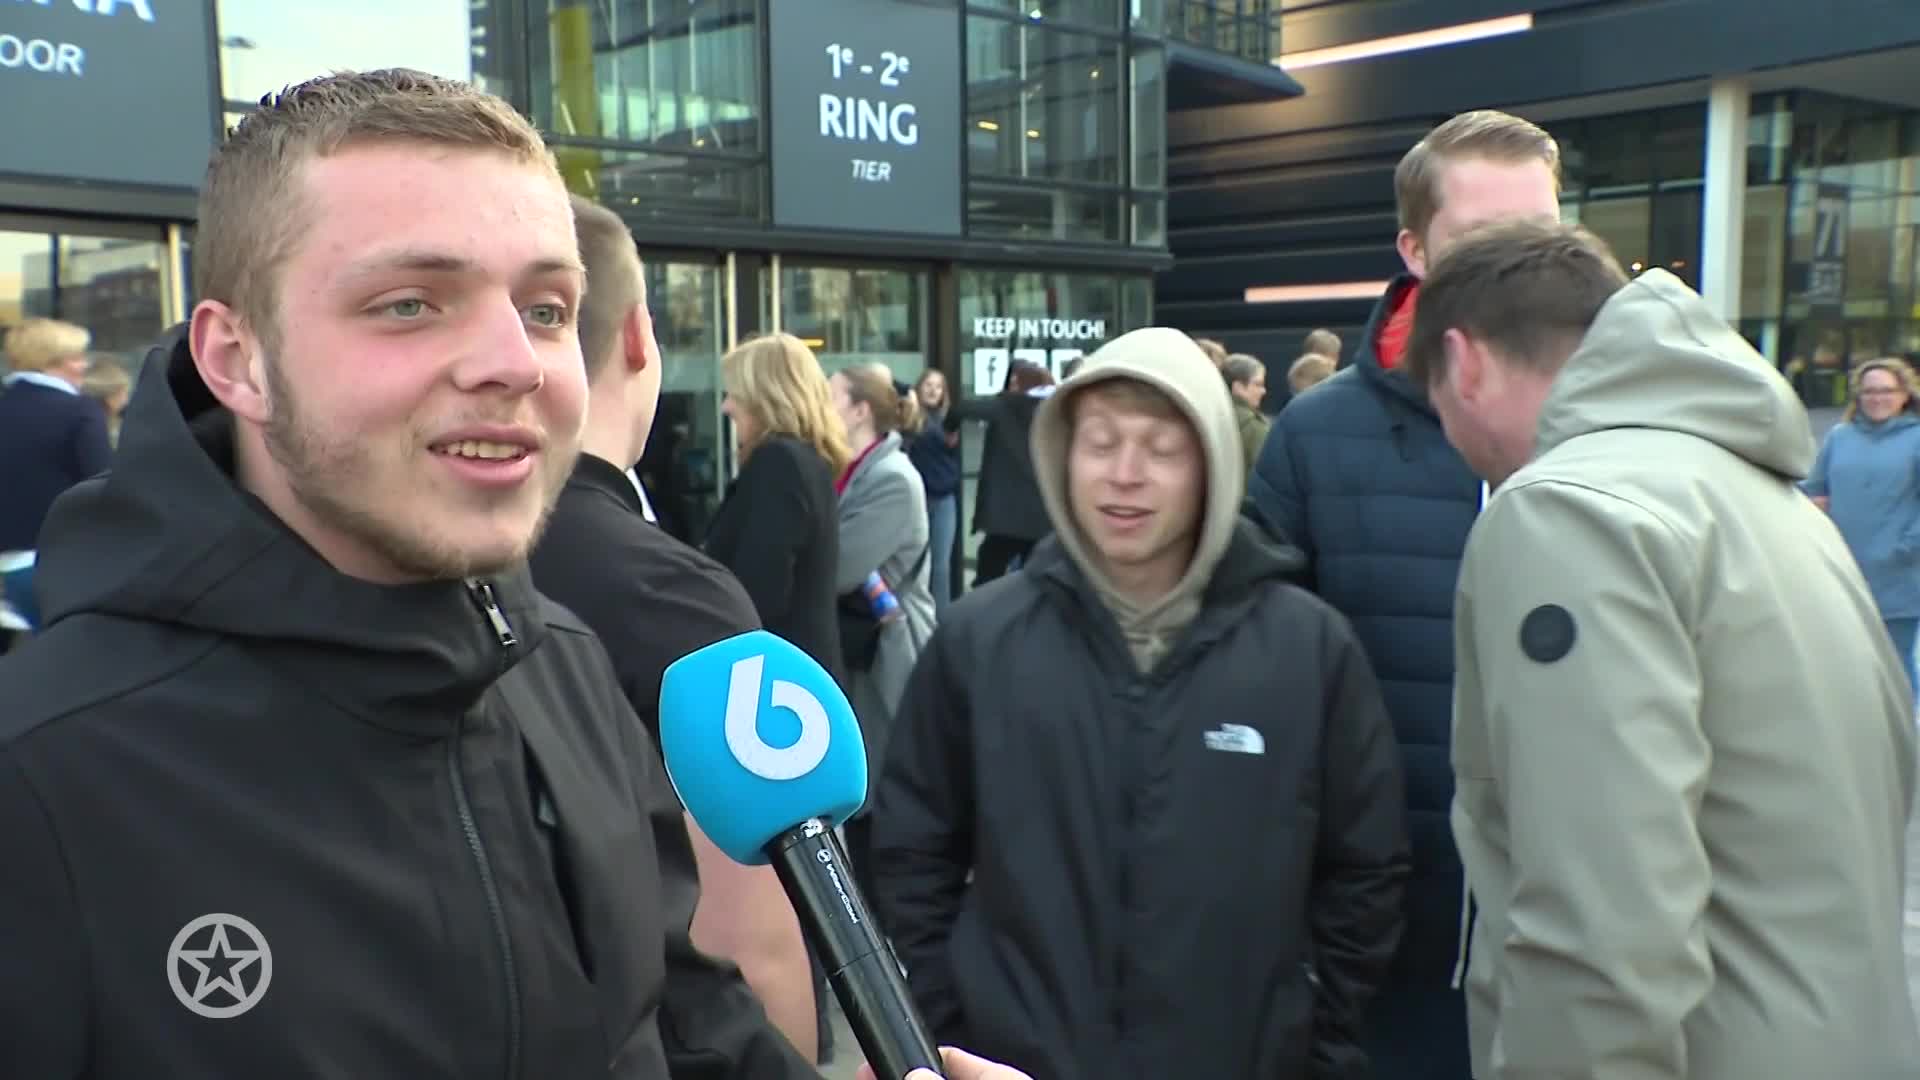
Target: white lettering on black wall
[[43, 56], [140, 8], [62, 58], [991, 363]]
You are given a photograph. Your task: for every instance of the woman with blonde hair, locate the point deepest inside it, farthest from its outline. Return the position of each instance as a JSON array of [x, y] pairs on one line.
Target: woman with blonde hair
[[778, 528], [1868, 478], [885, 548]]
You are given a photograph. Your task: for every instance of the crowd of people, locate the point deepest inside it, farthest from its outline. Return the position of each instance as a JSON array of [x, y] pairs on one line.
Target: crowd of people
[[1511, 704]]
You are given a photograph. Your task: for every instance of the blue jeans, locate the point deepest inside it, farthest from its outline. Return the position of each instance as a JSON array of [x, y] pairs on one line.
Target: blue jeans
[[943, 523], [1902, 631]]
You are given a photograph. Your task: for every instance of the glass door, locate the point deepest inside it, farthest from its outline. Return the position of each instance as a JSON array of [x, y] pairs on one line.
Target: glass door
[[852, 314], [688, 456]]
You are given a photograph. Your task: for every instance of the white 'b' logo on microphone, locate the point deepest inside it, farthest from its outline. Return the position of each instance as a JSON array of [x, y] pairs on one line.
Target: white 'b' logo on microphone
[[743, 724]]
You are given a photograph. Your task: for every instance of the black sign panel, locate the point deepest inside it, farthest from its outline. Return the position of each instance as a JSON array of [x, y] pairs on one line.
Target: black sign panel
[[866, 115], [119, 91]]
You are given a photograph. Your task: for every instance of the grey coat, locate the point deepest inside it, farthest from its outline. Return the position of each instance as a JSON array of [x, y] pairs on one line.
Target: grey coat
[[883, 526]]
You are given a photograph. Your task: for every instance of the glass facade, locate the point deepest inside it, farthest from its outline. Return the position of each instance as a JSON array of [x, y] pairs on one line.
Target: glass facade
[[680, 81], [114, 281], [1637, 182], [659, 107], [1249, 29], [1065, 122], [1830, 261]]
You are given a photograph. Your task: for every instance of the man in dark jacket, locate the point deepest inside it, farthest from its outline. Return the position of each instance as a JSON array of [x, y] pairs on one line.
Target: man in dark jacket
[[1168, 772], [1360, 477], [304, 778], [653, 600]]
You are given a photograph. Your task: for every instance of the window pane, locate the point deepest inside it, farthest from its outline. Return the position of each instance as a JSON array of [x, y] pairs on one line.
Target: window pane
[[1136, 303], [1099, 14], [682, 466], [1625, 224], [851, 316], [1148, 121], [1149, 221], [1619, 153], [266, 45], [672, 75], [668, 188], [1042, 104], [110, 285], [1043, 214], [1769, 139], [1148, 16], [1676, 234], [1763, 252], [1249, 29], [1680, 144]]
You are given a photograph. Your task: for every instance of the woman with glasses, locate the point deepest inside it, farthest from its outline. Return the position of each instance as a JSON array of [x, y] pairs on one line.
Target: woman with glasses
[[1868, 477]]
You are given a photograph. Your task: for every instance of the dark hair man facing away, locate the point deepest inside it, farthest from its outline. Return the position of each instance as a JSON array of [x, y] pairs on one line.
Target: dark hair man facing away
[[653, 600], [1685, 746], [352, 799], [1358, 474], [1168, 771]]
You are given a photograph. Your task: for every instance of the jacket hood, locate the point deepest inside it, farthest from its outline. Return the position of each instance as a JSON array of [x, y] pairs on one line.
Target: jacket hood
[[1657, 357], [1170, 361], [169, 537]]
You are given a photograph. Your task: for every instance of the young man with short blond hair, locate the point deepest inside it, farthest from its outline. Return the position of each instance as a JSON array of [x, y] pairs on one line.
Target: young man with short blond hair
[[352, 798], [1142, 815]]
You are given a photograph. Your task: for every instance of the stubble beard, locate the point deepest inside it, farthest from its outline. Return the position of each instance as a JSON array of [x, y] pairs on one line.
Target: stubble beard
[[321, 473]]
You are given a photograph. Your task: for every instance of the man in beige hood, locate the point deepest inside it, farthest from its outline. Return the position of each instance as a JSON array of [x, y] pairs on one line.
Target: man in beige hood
[[1168, 772], [1683, 746]]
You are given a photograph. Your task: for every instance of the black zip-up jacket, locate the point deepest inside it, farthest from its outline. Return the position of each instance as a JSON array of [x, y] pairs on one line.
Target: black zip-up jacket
[[259, 819], [1189, 873]]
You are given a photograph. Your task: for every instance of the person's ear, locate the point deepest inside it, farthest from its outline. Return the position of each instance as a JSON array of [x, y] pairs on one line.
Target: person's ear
[[1466, 364], [1413, 253], [637, 345], [228, 356]]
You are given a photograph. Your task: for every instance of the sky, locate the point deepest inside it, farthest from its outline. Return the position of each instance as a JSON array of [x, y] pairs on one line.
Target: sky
[[293, 42]]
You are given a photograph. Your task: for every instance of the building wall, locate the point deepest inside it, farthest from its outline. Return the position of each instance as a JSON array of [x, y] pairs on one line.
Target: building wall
[[1301, 192]]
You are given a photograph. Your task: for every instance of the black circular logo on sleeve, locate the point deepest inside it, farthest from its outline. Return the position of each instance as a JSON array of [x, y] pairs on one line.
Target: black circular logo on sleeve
[[1547, 633]]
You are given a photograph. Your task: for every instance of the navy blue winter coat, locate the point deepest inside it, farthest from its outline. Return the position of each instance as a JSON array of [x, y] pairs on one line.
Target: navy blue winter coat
[[1357, 473]]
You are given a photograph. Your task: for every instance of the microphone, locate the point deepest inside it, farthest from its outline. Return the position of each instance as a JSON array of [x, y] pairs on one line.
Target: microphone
[[764, 752]]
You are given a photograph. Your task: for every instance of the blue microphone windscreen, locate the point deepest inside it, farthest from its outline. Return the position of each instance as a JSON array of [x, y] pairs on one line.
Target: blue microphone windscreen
[[758, 738]]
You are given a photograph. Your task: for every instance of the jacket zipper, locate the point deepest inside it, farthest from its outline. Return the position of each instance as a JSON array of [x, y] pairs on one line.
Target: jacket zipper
[[490, 607], [483, 595]]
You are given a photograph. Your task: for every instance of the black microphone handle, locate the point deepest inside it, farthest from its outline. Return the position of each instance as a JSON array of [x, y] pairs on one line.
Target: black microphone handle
[[860, 964]]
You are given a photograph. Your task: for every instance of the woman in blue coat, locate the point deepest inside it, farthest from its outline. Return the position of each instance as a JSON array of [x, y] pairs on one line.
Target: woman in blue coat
[[1868, 477]]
